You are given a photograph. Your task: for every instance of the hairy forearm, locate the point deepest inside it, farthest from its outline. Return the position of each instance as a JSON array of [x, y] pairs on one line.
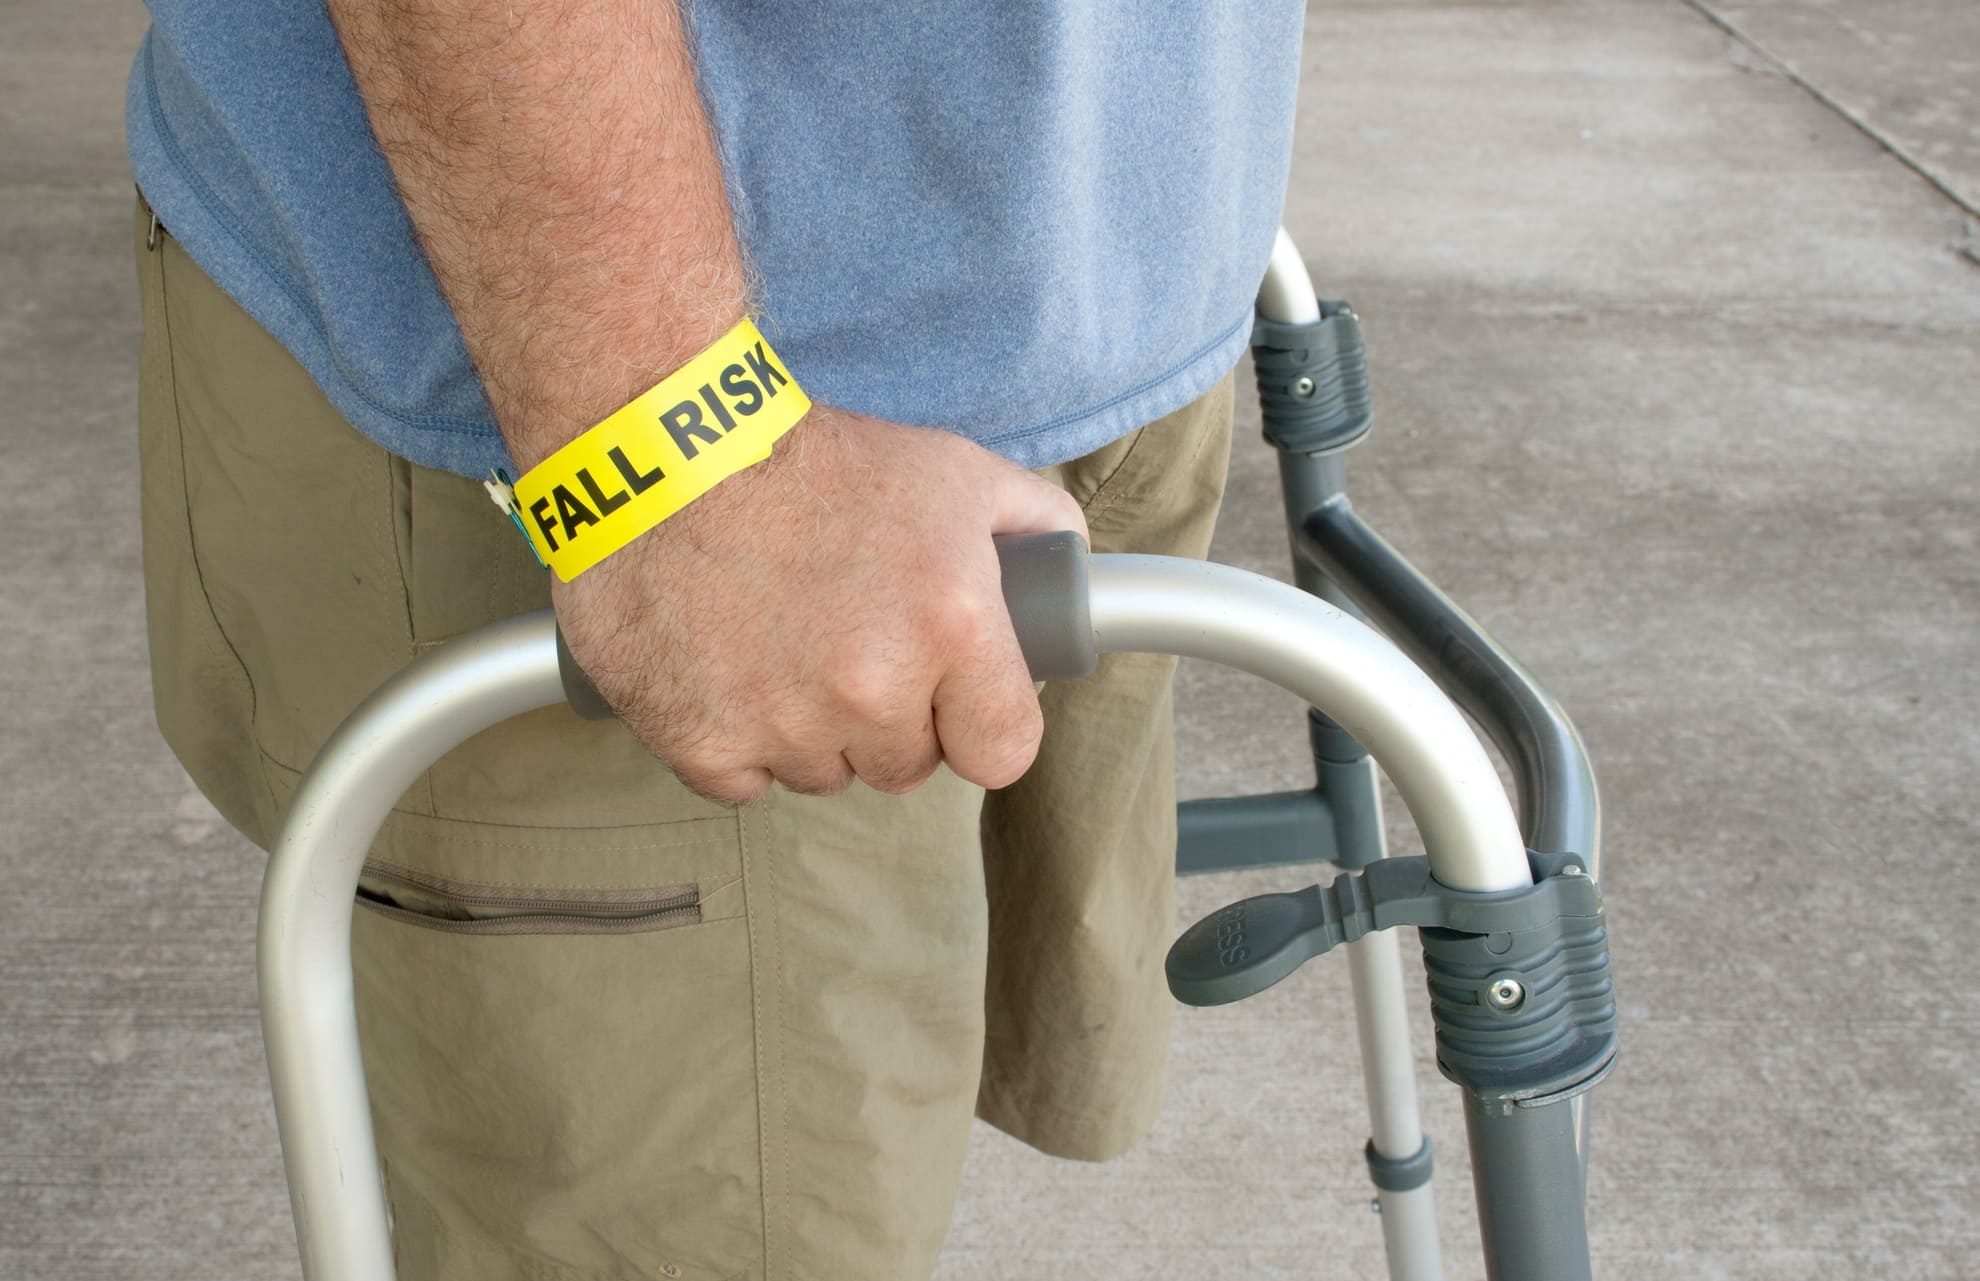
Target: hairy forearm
[[842, 614], [562, 176]]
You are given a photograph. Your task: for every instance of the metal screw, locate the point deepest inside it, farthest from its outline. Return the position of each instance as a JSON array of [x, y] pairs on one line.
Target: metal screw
[[1506, 994], [1303, 388]]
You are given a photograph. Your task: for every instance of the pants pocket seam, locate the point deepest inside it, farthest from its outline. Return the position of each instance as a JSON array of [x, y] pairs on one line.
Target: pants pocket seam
[[164, 247], [402, 556], [772, 1135], [1105, 494]]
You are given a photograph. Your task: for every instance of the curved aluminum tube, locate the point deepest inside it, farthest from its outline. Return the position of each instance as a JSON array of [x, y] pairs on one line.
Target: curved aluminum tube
[[1345, 668], [308, 1016], [1287, 295]]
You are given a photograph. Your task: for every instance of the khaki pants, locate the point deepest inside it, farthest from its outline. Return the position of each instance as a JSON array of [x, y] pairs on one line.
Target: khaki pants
[[613, 1029]]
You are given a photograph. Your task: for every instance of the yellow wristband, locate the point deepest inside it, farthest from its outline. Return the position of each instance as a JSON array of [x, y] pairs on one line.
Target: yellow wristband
[[703, 423]]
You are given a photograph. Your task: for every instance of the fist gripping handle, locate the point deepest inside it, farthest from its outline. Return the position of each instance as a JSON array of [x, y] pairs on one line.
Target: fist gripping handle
[[1045, 591]]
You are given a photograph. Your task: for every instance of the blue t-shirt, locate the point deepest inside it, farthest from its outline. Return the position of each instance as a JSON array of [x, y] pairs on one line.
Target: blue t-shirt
[[1038, 223]]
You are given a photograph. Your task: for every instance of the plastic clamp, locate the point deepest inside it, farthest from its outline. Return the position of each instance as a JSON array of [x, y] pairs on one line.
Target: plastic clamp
[[1519, 981], [1313, 391]]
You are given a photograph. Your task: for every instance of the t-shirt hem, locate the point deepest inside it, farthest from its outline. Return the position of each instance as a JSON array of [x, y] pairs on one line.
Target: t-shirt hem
[[474, 449], [1071, 437]]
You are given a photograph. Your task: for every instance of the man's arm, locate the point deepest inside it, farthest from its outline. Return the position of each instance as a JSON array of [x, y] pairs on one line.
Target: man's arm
[[833, 611]]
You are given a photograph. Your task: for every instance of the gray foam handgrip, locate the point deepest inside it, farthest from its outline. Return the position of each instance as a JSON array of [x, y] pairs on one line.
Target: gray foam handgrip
[[579, 692], [1044, 578], [1045, 592]]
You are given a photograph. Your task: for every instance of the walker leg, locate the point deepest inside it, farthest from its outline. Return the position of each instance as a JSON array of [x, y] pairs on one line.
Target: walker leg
[[1528, 1147], [1528, 1179], [1398, 1152], [1399, 1159]]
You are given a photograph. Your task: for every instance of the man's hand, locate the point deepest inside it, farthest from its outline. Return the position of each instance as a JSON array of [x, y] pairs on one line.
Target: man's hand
[[832, 612]]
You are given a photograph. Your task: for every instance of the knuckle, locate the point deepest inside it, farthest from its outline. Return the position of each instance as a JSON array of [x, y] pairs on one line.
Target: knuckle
[[714, 775], [900, 775], [817, 772], [732, 787], [866, 689], [962, 616], [752, 789], [816, 783]]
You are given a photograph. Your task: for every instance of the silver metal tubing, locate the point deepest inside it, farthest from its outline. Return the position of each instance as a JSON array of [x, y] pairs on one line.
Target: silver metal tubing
[[1409, 1234], [1381, 1020], [1166, 605], [1388, 1071], [1286, 295], [309, 1020], [1375, 971], [308, 1016], [1381, 1015]]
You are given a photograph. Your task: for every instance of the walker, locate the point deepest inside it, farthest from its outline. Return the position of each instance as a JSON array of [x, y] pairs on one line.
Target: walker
[[1509, 910]]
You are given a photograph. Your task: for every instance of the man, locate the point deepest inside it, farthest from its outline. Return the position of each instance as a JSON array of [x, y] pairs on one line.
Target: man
[[727, 1012]]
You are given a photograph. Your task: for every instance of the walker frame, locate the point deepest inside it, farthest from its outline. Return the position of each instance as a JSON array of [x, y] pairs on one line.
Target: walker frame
[[1523, 1065]]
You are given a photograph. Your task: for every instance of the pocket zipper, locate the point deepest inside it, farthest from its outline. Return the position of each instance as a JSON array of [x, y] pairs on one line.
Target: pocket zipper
[[498, 909]]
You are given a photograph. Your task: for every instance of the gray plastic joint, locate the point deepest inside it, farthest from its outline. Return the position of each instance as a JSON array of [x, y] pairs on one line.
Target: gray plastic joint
[[1312, 381], [1346, 777], [1527, 1017], [1399, 1174], [1519, 980], [1332, 745]]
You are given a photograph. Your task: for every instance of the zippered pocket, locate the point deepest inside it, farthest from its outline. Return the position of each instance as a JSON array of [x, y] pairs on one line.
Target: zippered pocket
[[465, 907]]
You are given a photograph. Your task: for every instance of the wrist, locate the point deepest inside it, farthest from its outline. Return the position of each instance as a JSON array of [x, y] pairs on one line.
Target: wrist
[[718, 414], [563, 378]]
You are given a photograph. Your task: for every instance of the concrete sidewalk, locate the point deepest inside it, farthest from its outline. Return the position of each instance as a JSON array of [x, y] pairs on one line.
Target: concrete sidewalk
[[1675, 317]]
